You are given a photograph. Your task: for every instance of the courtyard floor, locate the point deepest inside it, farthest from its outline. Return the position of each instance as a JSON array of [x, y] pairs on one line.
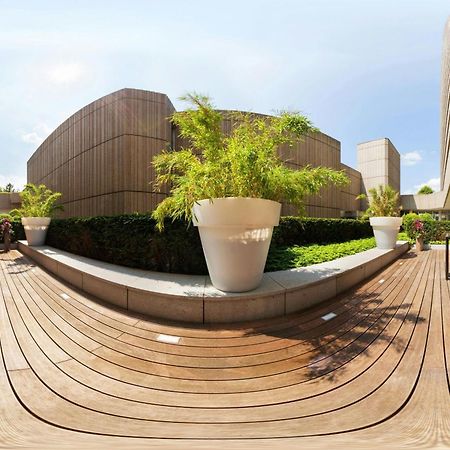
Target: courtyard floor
[[368, 369]]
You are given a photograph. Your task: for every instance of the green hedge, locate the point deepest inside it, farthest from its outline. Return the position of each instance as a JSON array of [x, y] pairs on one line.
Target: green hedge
[[132, 240], [306, 230], [434, 230]]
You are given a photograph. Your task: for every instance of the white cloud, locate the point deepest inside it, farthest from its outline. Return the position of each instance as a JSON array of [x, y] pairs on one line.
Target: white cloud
[[411, 158], [37, 135], [17, 181], [434, 183], [66, 73]]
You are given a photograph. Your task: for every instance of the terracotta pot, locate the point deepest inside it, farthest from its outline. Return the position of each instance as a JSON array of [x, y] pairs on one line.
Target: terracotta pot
[[7, 242], [419, 244]]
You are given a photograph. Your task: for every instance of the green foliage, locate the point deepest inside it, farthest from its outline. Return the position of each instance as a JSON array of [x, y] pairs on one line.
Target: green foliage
[[133, 240], [429, 226], [242, 164], [384, 201], [8, 188], [37, 201], [18, 233], [281, 258], [442, 228], [306, 230], [425, 190]]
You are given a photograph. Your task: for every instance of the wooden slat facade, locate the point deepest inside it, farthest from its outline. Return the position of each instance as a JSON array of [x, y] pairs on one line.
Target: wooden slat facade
[[99, 158]]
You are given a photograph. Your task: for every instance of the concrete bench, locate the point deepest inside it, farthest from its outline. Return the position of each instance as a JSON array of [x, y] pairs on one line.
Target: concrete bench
[[192, 298]]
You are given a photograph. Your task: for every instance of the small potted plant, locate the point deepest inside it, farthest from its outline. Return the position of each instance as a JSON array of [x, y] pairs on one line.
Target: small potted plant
[[418, 230], [384, 211], [7, 231], [38, 207], [231, 185]]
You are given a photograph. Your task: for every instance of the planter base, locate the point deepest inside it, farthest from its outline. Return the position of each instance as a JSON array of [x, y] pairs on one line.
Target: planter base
[[385, 230], [36, 229], [235, 234]]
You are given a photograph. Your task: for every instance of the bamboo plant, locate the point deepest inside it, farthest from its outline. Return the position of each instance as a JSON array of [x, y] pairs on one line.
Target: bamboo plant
[[37, 201], [243, 163]]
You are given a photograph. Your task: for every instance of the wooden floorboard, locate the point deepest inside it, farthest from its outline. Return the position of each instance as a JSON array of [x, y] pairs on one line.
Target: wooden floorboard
[[75, 372]]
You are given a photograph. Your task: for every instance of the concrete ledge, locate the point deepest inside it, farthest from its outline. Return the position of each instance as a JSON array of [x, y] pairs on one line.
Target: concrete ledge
[[192, 298]]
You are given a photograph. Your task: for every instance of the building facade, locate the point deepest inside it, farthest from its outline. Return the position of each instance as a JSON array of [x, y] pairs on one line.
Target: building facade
[[439, 202], [9, 201], [378, 164], [100, 158]]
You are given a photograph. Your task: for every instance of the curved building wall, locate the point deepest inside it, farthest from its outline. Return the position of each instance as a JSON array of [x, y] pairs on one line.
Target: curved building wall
[[445, 109], [99, 158]]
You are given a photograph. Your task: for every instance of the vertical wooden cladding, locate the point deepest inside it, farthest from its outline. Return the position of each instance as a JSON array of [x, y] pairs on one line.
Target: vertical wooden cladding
[[100, 157], [348, 194], [316, 149]]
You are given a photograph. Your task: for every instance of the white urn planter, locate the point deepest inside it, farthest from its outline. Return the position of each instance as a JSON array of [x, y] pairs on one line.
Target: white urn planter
[[236, 234], [386, 230], [36, 229]]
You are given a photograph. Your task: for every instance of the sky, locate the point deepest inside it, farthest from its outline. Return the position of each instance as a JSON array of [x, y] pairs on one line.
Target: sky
[[360, 69]]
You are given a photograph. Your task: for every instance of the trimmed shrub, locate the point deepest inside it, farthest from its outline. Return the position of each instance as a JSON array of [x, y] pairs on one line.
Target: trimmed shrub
[[133, 240], [306, 230], [430, 226], [442, 228]]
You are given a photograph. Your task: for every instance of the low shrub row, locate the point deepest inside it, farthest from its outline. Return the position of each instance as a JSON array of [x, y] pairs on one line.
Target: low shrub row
[[433, 230], [133, 240], [282, 258], [307, 230]]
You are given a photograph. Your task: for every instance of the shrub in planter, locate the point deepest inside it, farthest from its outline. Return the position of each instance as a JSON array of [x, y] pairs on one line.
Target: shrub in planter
[[232, 186], [36, 211], [384, 209], [420, 227]]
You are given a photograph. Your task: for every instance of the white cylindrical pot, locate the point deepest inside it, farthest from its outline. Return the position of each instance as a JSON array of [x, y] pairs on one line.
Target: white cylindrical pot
[[386, 230], [235, 234], [36, 229]]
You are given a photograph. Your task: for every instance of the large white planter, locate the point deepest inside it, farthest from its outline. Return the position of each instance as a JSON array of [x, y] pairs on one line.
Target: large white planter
[[386, 230], [36, 229], [235, 234]]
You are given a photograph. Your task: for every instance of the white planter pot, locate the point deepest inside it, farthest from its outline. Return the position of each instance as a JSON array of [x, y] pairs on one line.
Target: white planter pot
[[386, 230], [235, 234], [36, 229]]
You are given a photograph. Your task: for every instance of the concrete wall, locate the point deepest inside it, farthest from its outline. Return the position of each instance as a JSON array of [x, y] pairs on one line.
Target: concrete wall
[[349, 205], [9, 201], [445, 109], [378, 163]]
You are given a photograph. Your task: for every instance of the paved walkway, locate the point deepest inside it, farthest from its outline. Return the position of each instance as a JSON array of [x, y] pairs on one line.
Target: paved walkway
[[369, 369]]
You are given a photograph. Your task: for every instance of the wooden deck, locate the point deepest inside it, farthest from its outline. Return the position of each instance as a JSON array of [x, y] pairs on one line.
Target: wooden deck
[[76, 373]]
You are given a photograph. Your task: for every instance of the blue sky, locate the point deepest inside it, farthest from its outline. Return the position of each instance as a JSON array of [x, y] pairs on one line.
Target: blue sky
[[360, 69]]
